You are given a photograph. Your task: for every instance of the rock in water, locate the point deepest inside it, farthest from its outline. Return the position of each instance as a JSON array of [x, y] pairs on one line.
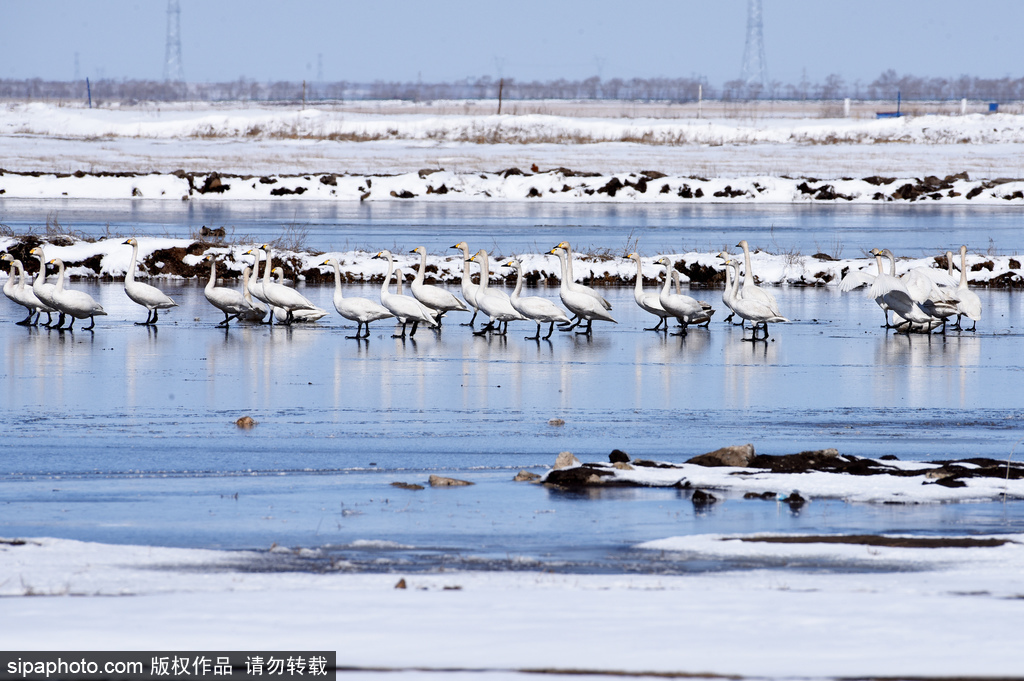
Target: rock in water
[[525, 476], [438, 481], [566, 460], [246, 422], [702, 498], [618, 456], [739, 456]]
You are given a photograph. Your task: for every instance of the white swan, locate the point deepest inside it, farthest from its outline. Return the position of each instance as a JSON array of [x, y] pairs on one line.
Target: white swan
[[149, 297], [923, 284], [43, 290], [359, 310], [709, 311], [969, 303], [538, 309], [298, 316], [434, 297], [279, 295], [469, 289], [21, 294], [404, 308], [890, 290], [752, 291], [498, 308], [75, 304], [648, 302], [731, 291], [759, 313], [572, 278], [684, 308], [257, 310], [582, 305], [229, 301]]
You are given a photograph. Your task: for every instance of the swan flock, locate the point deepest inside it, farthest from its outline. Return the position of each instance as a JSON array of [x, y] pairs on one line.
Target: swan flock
[[919, 300]]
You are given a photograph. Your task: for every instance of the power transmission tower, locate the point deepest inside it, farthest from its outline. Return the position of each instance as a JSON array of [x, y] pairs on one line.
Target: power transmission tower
[[755, 68], [172, 58]]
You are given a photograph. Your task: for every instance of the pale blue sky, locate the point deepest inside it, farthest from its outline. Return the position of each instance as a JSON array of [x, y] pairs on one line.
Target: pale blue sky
[[526, 39]]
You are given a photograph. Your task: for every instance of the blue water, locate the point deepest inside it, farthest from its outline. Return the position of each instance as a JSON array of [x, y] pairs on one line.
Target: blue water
[[840, 231], [127, 435]]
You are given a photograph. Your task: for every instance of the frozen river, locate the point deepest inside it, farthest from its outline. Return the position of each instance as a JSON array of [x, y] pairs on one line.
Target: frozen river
[[127, 435]]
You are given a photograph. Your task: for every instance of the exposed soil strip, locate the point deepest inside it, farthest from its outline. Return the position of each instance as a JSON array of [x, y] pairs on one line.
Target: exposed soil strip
[[879, 540]]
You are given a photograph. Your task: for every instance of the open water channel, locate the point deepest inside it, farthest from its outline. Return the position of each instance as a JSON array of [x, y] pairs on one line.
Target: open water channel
[[127, 434]]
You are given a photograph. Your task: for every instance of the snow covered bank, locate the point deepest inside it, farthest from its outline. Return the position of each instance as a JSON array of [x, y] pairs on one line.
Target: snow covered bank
[[512, 184], [182, 258], [897, 612], [824, 474]]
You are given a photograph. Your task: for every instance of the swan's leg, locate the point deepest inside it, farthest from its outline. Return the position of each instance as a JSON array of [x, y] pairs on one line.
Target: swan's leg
[[588, 330], [682, 329], [537, 337], [92, 324], [502, 331], [149, 313], [657, 327], [27, 320], [551, 330], [729, 318], [156, 314], [415, 325], [60, 320], [359, 329], [575, 322], [956, 326], [472, 319], [38, 315], [71, 324], [764, 328], [401, 335]]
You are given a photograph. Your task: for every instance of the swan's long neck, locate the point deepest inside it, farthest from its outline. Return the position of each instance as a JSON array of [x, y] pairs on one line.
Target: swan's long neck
[[519, 284], [892, 263], [963, 268], [245, 285], [256, 266], [21, 274], [639, 287], [748, 275], [878, 261], [266, 270], [485, 272], [337, 279], [387, 277], [564, 284], [668, 281], [60, 276], [41, 276], [213, 275], [129, 276], [423, 267], [728, 279], [568, 262]]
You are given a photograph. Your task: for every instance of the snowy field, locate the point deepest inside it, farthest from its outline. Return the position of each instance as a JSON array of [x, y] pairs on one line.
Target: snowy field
[[281, 141], [898, 612], [767, 610]]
